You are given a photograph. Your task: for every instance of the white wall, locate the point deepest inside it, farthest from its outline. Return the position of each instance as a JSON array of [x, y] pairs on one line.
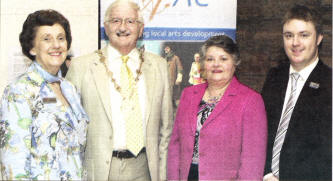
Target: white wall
[[83, 18]]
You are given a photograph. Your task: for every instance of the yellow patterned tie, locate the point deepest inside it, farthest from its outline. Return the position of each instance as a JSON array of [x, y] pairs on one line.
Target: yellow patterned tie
[[131, 109]]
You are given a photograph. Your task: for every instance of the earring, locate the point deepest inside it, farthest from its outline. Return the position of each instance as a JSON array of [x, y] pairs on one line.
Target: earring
[[32, 52]]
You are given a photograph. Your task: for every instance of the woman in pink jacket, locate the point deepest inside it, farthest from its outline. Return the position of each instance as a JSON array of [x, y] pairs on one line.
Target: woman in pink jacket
[[220, 129]]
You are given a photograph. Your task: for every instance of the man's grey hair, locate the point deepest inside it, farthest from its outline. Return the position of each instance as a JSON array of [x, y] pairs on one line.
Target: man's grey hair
[[132, 4]]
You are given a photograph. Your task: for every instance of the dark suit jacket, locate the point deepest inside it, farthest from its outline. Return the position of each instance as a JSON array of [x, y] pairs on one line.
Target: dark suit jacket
[[307, 150]]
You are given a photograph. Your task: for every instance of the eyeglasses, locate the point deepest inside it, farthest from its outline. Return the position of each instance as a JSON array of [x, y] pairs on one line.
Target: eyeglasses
[[128, 21]]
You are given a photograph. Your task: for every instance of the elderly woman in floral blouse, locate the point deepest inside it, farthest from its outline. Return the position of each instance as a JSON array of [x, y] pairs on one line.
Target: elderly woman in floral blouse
[[43, 125]]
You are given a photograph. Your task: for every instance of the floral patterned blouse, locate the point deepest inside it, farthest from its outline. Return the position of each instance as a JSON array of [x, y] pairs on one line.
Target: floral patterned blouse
[[40, 139]]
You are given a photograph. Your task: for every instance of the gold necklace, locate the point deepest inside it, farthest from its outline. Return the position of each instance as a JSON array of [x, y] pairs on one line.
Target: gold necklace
[[110, 74]]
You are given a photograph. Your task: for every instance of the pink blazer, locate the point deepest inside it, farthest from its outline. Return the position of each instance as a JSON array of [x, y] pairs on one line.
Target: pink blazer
[[232, 142]]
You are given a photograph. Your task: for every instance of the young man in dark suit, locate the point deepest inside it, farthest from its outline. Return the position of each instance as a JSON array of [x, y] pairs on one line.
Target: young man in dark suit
[[298, 100]]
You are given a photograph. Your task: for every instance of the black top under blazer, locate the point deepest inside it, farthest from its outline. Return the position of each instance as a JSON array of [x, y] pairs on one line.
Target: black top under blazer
[[307, 150]]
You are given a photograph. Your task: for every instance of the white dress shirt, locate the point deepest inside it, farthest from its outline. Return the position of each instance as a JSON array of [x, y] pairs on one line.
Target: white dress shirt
[[118, 122]]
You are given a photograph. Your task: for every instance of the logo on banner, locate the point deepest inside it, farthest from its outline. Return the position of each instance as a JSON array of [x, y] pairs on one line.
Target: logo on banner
[[189, 3], [157, 7]]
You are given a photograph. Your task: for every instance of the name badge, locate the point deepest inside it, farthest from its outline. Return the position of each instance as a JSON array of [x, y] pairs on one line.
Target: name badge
[[314, 85]]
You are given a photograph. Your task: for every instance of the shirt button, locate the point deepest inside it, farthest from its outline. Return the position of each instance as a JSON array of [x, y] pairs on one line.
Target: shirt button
[[110, 137], [107, 162]]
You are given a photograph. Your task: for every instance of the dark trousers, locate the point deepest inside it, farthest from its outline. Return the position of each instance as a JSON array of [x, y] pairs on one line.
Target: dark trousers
[[194, 173]]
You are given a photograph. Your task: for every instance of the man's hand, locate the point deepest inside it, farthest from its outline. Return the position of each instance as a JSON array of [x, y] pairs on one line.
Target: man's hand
[[270, 177]]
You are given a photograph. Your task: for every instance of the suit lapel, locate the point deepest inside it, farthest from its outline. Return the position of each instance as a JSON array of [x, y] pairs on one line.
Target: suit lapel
[[198, 93], [309, 88], [284, 78], [102, 82], [280, 83], [226, 99], [149, 77]]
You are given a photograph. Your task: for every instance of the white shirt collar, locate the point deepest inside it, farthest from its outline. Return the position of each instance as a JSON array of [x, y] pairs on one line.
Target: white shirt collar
[[114, 54], [305, 72]]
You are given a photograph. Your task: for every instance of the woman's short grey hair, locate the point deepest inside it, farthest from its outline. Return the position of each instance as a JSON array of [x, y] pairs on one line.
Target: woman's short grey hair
[[132, 4]]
